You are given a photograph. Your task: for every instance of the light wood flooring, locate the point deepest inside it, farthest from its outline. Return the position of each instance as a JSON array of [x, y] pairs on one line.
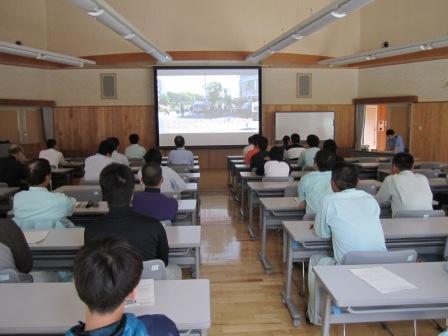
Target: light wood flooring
[[244, 300]]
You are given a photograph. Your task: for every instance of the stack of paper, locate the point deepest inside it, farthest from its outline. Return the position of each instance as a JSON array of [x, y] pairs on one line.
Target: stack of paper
[[382, 279], [145, 294], [34, 237]]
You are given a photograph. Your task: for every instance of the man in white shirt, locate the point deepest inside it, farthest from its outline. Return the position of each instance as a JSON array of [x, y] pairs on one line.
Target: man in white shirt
[[306, 158], [116, 156], [276, 167], [94, 164], [404, 189], [52, 155], [350, 218], [135, 151], [295, 149], [180, 156]]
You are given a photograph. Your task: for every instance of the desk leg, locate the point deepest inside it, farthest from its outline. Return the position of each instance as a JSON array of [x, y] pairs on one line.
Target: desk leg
[[194, 217], [286, 295], [325, 329], [197, 260], [228, 174], [204, 332], [250, 226], [242, 198], [262, 254]]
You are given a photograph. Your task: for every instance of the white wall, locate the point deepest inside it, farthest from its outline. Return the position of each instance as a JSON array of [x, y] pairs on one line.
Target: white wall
[[24, 83]]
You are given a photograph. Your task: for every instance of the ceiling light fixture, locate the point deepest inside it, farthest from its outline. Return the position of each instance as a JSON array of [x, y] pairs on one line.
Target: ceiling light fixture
[[338, 14]]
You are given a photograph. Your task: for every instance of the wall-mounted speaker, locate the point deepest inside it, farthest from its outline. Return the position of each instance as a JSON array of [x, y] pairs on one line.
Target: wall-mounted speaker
[[304, 85], [108, 85]]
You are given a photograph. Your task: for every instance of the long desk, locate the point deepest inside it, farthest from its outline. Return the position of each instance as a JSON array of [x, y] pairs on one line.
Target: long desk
[[360, 302], [231, 158], [58, 249], [424, 235], [193, 169], [53, 308]]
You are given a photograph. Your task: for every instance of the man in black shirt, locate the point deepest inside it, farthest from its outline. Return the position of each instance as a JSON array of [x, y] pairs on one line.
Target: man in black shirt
[[146, 234], [258, 160], [12, 170]]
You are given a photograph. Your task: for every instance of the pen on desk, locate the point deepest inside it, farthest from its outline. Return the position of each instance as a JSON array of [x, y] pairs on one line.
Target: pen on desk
[[311, 226]]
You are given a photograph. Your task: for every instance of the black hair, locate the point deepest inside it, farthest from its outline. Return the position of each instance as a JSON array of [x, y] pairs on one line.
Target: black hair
[[295, 138], [325, 160], [390, 131], [151, 174], [117, 184], [153, 155], [255, 139], [276, 153], [312, 140], [285, 140], [179, 141], [114, 142], [51, 143], [105, 272], [330, 145], [262, 143], [345, 175], [37, 170], [133, 138], [249, 140], [105, 148], [403, 161]]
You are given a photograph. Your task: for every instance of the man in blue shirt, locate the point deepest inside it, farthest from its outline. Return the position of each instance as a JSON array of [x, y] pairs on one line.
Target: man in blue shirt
[[180, 156], [394, 142], [306, 158], [350, 218]]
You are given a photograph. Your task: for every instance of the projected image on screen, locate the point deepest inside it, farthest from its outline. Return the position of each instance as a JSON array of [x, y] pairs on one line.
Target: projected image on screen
[[207, 106]]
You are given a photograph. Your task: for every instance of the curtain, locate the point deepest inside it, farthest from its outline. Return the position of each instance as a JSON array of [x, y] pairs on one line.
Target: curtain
[[360, 123], [47, 115]]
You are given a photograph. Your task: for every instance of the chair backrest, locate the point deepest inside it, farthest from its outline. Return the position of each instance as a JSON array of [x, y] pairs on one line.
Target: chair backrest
[[3, 185], [154, 269], [309, 217], [278, 179], [93, 195], [308, 168], [180, 169], [429, 173], [419, 213], [291, 191], [367, 159], [380, 257], [8, 271], [368, 188]]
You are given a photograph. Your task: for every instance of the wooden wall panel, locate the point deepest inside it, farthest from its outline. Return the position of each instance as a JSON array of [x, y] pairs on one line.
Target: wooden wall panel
[[429, 136]]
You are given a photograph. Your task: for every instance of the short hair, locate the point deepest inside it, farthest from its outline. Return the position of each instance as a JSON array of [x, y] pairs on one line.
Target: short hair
[[312, 140], [134, 139], [262, 143], [390, 131], [325, 160], [285, 140], [345, 175], [114, 142], [249, 140], [15, 149], [179, 141], [295, 138], [330, 145], [153, 155], [105, 272], [151, 174], [276, 153], [255, 139], [403, 161], [51, 143], [105, 148], [37, 170], [117, 184]]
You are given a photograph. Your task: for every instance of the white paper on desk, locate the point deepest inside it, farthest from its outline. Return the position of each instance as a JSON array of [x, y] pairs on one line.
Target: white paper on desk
[[34, 237], [145, 294], [382, 279]]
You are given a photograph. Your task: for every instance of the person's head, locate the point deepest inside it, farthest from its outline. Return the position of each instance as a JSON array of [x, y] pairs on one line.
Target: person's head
[[276, 153], [51, 143], [114, 142], [106, 271], [255, 139], [402, 161], [249, 140], [179, 141], [390, 133], [134, 139], [17, 152], [295, 138], [286, 139], [117, 185], [344, 176], [152, 175], [324, 160], [262, 143], [153, 155], [38, 173], [330, 145], [312, 140], [105, 148]]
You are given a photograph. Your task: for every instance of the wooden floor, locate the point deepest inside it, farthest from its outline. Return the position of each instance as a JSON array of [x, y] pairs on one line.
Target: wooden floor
[[244, 300]]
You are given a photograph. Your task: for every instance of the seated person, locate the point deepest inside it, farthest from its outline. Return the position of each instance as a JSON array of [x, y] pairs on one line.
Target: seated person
[[330, 145], [317, 184], [135, 151], [394, 142], [404, 189], [12, 237], [94, 164], [286, 141], [146, 234], [39, 208], [52, 154], [106, 273], [295, 149], [180, 156], [249, 147], [171, 182], [306, 158], [116, 156], [259, 159], [151, 202], [253, 151], [12, 168], [351, 218], [276, 167]]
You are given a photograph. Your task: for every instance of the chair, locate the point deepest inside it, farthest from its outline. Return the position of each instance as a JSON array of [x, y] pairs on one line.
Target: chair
[[291, 191], [154, 269], [181, 169], [8, 271], [308, 168], [277, 179], [419, 213]]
